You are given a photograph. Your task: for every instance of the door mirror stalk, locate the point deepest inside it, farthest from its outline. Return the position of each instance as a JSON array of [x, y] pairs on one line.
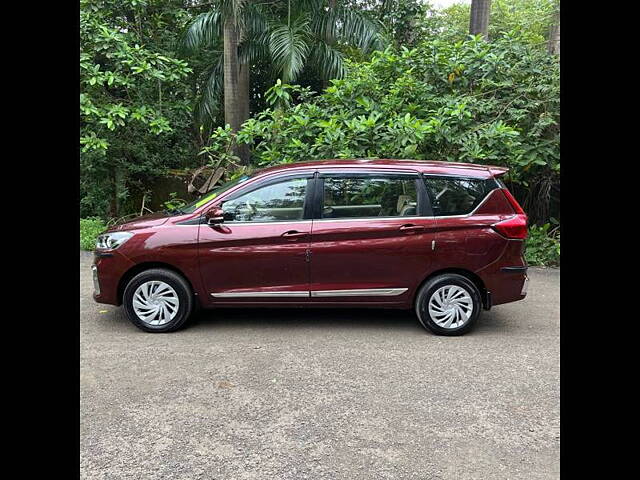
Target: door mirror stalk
[[214, 216]]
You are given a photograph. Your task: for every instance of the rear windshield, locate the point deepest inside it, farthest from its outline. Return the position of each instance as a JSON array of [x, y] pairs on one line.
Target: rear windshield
[[457, 195]]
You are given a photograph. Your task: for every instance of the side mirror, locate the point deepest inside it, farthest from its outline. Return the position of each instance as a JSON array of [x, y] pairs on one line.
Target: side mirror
[[214, 216]]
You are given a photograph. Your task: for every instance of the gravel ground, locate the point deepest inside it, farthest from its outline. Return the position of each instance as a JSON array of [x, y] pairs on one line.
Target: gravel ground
[[322, 394]]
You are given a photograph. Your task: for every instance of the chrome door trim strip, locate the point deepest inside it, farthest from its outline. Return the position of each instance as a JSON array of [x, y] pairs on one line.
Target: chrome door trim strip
[[357, 292], [297, 294], [360, 292]]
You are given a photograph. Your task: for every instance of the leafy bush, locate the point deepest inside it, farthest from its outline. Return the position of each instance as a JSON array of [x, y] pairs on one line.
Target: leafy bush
[[174, 202], [532, 17], [471, 101], [543, 246], [90, 228]]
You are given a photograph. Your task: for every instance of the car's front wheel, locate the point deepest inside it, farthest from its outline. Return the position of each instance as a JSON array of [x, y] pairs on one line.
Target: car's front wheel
[[448, 304], [158, 300]]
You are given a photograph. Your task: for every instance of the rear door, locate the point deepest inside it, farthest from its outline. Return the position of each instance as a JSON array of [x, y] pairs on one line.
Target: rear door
[[372, 237]]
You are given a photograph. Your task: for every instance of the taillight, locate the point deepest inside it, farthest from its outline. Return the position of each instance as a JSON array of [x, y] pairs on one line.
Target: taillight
[[514, 227], [514, 203]]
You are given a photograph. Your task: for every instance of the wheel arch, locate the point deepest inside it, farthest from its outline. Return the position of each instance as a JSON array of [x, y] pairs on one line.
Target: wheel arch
[[141, 267], [473, 277]]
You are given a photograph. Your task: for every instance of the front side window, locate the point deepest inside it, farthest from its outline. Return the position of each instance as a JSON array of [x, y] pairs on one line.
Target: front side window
[[370, 196], [457, 196], [277, 202]]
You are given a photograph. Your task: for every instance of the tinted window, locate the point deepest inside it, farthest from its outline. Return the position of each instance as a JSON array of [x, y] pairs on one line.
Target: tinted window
[[277, 202], [368, 196], [457, 196]]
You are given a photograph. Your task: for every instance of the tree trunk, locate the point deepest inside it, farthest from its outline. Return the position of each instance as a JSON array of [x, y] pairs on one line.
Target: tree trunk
[[479, 21], [113, 204], [244, 97], [324, 82], [244, 71], [232, 104], [553, 47]]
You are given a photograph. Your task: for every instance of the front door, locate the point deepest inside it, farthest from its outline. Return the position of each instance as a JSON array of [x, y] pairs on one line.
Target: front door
[[373, 240], [260, 252]]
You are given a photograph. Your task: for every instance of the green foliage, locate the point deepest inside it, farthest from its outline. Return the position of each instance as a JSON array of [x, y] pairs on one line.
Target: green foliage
[[173, 202], [404, 22], [436, 94], [219, 149], [543, 246], [286, 40], [90, 228], [134, 99], [531, 18], [470, 101], [115, 71]]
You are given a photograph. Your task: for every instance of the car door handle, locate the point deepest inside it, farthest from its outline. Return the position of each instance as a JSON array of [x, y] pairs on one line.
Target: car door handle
[[410, 228], [294, 234]]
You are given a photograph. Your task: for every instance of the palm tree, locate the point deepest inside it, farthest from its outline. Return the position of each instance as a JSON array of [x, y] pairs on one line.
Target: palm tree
[[223, 22], [290, 36]]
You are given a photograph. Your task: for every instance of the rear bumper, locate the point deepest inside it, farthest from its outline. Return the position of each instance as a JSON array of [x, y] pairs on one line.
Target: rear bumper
[[506, 286], [107, 270], [506, 278]]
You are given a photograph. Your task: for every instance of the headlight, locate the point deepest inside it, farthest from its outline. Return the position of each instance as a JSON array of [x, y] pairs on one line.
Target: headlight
[[111, 241]]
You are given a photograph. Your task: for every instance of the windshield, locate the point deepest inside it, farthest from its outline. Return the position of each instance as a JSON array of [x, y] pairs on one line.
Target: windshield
[[191, 207]]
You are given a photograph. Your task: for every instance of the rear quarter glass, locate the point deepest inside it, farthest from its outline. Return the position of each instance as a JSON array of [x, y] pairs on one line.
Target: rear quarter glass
[[457, 195]]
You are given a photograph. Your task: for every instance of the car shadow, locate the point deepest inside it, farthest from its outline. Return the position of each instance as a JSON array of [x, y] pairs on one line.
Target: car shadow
[[305, 317], [330, 318], [337, 319]]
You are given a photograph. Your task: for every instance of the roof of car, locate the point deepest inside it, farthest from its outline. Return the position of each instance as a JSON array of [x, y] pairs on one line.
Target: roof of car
[[424, 166]]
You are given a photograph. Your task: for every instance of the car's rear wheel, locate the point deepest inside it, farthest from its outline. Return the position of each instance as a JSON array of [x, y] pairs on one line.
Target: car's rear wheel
[[448, 304], [158, 300]]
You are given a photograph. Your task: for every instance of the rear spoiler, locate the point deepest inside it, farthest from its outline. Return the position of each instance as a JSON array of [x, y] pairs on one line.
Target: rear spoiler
[[497, 171]]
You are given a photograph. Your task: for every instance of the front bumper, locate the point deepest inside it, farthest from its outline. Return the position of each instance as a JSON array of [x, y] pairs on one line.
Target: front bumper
[[107, 270]]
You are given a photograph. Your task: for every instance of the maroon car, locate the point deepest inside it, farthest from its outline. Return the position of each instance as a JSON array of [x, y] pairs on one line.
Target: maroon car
[[444, 239]]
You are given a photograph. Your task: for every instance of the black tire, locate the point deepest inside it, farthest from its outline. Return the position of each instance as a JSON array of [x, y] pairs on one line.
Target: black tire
[[178, 283], [430, 287]]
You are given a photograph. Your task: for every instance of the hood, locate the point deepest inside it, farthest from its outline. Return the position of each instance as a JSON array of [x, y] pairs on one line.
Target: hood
[[145, 221]]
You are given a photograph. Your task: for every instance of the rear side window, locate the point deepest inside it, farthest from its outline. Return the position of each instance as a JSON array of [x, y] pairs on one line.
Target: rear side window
[[370, 196], [457, 195]]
